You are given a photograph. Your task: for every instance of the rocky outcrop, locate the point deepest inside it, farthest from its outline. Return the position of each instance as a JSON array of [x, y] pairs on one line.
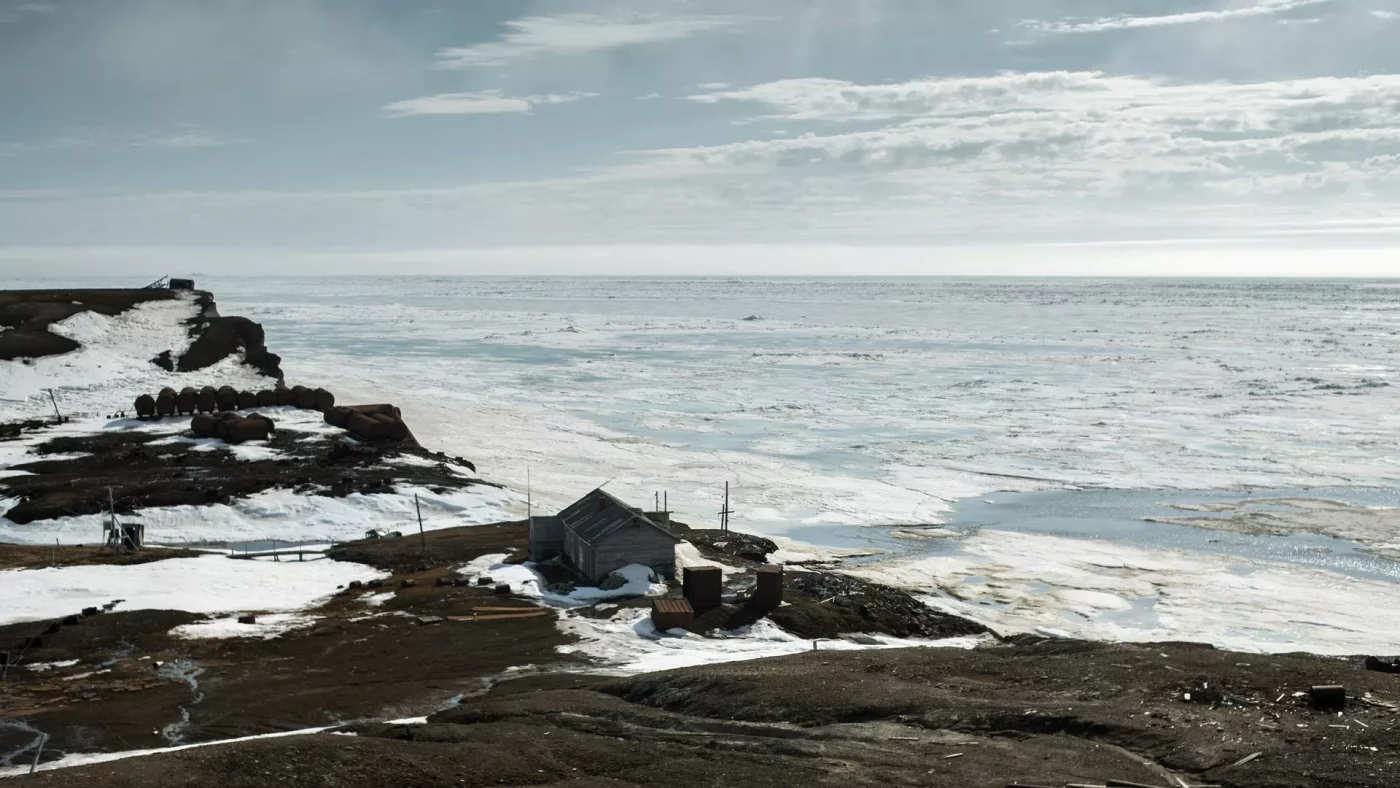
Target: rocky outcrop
[[217, 338], [25, 316]]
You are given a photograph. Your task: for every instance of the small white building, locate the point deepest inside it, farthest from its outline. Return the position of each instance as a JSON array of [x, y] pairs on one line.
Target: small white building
[[598, 534]]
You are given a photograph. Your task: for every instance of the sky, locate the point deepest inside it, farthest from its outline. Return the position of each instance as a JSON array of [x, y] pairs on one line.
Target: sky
[[724, 136]]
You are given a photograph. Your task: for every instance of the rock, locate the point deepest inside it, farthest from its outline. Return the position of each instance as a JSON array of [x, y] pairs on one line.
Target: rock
[[1391, 665], [220, 337], [740, 545], [408, 582], [356, 584]]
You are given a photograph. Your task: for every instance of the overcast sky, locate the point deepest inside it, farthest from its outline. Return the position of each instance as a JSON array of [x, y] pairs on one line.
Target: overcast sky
[[496, 134]]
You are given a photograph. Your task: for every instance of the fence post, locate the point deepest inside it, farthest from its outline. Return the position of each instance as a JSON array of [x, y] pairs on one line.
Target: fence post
[[422, 538]]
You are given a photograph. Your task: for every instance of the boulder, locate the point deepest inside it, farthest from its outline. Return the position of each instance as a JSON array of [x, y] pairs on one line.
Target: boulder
[[221, 337], [146, 406]]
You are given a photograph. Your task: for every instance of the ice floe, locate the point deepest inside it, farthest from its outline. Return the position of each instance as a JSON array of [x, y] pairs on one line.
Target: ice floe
[[1096, 589]]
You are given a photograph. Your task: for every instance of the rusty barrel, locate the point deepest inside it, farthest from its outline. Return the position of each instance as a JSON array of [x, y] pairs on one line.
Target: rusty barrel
[[204, 425], [145, 406], [165, 402], [395, 429], [324, 400], [367, 427], [240, 430], [285, 396], [247, 400], [227, 397], [306, 398], [267, 398], [207, 400], [338, 417], [185, 400]]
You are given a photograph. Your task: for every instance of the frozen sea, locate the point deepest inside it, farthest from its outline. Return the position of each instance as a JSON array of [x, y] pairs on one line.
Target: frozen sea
[[1034, 418]]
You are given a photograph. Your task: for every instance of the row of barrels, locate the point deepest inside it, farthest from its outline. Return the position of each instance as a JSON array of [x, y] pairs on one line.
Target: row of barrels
[[231, 427], [190, 400], [370, 422]]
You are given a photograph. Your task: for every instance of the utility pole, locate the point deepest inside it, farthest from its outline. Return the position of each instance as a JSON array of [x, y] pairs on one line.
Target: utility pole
[[725, 512], [422, 538]]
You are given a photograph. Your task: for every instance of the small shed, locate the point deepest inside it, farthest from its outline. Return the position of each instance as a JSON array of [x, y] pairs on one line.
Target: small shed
[[599, 534]]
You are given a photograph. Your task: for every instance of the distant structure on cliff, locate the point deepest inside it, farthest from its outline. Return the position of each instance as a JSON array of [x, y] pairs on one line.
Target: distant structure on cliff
[[599, 534]]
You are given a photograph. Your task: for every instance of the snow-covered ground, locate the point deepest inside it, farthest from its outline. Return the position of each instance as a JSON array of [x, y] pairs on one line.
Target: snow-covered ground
[[113, 366], [526, 582], [627, 643], [210, 583]]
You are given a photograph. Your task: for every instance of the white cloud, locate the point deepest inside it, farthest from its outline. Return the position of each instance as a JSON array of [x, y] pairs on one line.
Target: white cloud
[[649, 97], [713, 85], [28, 9], [1125, 22], [574, 34], [485, 102], [1387, 15], [1306, 21]]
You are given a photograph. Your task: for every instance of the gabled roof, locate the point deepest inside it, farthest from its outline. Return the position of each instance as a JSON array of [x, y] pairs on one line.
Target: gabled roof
[[592, 526]]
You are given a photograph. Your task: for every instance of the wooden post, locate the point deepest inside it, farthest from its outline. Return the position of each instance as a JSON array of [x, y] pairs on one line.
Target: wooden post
[[422, 538], [57, 416], [43, 737]]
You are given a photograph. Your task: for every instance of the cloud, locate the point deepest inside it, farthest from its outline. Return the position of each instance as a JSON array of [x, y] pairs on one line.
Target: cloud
[[713, 85], [184, 135], [1071, 136], [484, 102], [575, 34], [1125, 22], [649, 97], [28, 9], [1387, 15]]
